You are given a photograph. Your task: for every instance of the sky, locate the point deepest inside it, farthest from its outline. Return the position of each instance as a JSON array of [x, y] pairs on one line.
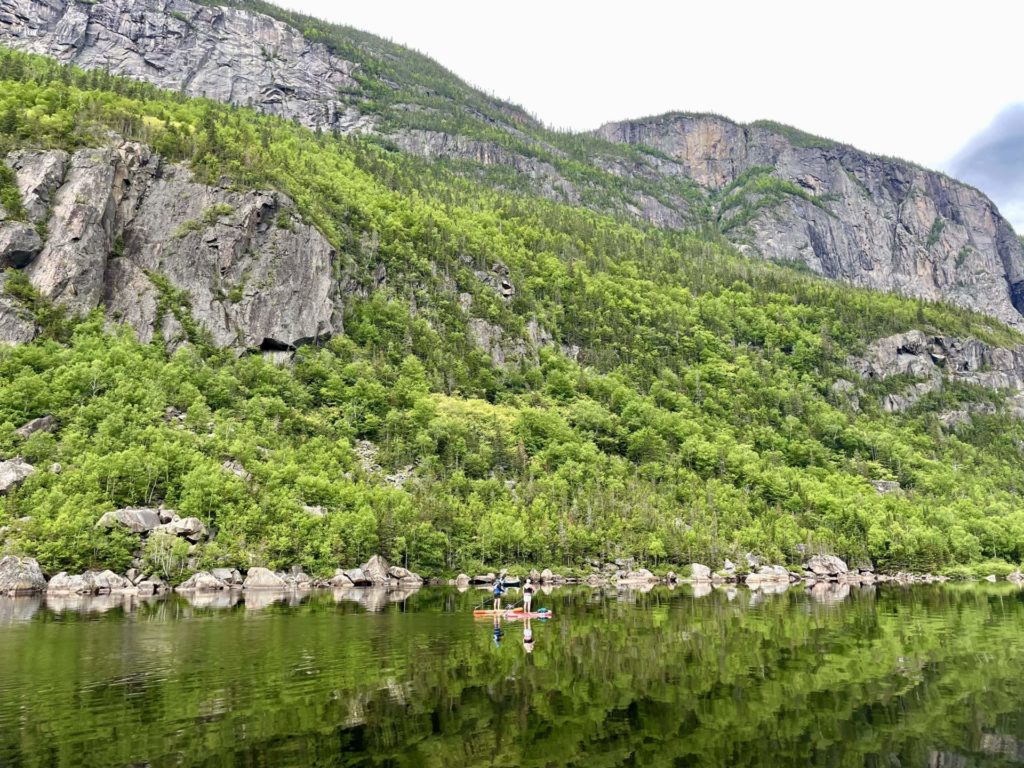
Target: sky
[[938, 83]]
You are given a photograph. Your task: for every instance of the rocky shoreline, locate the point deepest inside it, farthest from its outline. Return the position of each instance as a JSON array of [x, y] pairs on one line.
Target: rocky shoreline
[[22, 576]]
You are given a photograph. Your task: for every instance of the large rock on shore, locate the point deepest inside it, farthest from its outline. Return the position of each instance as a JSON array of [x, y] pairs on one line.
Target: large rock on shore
[[768, 574], [191, 528], [21, 576], [826, 566], [204, 581], [700, 573], [404, 576], [13, 473], [263, 578], [376, 570]]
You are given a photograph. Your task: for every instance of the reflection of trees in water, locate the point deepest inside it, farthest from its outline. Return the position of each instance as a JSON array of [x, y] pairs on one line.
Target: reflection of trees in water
[[721, 676]]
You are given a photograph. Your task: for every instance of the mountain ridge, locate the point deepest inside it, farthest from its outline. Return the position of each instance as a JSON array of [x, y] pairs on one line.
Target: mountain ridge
[[840, 212]]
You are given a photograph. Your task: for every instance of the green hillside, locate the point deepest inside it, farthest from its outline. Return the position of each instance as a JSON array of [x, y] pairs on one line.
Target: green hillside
[[695, 421]]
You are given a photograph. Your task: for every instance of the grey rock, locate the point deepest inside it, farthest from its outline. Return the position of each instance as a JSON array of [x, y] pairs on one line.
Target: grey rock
[[229, 576], [991, 578], [263, 578], [462, 580], [939, 360], [340, 579], [13, 473], [885, 486], [700, 573], [65, 584], [639, 576], [874, 222], [39, 174], [236, 469], [121, 222], [141, 520], [19, 244], [546, 576], [826, 565], [204, 581], [16, 323], [358, 578], [191, 528], [221, 53], [376, 570], [42, 424], [768, 574], [21, 576], [404, 576]]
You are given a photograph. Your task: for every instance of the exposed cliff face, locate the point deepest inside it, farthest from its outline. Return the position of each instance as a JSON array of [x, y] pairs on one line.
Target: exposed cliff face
[[141, 238], [776, 193], [225, 54], [871, 221]]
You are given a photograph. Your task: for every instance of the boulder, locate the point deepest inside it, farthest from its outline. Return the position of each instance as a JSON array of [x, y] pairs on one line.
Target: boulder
[[229, 576], [376, 570], [21, 576], [151, 586], [1016, 577], [826, 565], [340, 579], [484, 578], [140, 520], [263, 578], [640, 576], [358, 578], [204, 581], [768, 574], [546, 576], [991, 577], [462, 580], [42, 424], [108, 582], [700, 573], [237, 470], [13, 473], [64, 584], [190, 528], [729, 567], [404, 576]]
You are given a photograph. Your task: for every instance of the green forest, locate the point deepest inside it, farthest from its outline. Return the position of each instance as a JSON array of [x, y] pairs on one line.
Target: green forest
[[694, 421]]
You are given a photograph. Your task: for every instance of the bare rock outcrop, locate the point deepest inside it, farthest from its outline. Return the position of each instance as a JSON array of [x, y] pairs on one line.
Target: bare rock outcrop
[[141, 520], [143, 239], [231, 55], [848, 215], [936, 360]]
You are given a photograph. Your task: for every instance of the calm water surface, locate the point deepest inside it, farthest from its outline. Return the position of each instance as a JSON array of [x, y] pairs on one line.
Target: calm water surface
[[929, 676]]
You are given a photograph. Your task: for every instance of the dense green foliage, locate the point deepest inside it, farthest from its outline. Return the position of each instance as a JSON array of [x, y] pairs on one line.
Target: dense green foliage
[[694, 419], [902, 677]]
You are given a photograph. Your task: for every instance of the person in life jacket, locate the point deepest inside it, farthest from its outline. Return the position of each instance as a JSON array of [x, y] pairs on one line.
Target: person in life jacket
[[499, 590], [528, 590]]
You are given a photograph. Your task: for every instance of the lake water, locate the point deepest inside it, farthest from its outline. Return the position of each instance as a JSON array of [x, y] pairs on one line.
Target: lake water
[[924, 676]]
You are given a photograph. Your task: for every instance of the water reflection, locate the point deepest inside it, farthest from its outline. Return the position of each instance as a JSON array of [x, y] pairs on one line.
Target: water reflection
[[698, 676]]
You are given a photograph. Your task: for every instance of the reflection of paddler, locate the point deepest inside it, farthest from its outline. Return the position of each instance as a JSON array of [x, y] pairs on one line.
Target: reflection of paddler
[[497, 632], [528, 636]]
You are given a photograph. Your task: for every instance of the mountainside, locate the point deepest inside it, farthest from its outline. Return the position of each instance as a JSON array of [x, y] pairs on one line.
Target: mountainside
[[313, 348], [871, 221], [775, 192]]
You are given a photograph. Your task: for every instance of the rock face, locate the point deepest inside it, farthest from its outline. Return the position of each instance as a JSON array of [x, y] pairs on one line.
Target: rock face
[[128, 230], [851, 216], [226, 54], [13, 473], [376, 570], [848, 215], [936, 360], [21, 576]]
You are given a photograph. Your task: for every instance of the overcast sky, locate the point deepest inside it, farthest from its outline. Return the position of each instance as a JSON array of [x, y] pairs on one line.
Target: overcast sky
[[918, 80]]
